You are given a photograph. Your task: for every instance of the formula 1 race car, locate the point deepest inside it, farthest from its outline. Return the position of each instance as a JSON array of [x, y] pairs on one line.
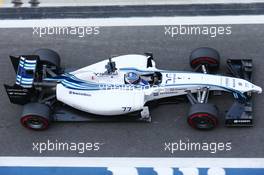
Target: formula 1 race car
[[125, 87]]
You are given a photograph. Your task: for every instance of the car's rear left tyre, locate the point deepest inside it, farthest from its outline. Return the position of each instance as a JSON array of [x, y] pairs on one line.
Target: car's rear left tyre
[[35, 116], [48, 57], [203, 116], [205, 56]]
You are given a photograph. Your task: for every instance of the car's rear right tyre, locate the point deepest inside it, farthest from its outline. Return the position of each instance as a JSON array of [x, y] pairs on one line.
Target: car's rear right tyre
[[48, 57], [35, 116], [203, 116]]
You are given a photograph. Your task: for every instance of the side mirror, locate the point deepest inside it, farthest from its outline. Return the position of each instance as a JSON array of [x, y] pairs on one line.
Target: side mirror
[[110, 67]]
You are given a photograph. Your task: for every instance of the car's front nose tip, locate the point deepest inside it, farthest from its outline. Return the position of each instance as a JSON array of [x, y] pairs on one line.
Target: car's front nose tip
[[258, 89]]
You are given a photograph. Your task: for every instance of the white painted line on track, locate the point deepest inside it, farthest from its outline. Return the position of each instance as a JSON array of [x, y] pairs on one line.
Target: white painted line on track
[[131, 162], [65, 3], [134, 21]]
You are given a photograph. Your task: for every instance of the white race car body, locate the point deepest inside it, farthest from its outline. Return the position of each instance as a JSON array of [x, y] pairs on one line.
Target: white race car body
[[92, 90]]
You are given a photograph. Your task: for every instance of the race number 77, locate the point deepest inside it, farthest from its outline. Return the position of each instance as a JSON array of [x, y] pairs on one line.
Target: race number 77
[[126, 109]]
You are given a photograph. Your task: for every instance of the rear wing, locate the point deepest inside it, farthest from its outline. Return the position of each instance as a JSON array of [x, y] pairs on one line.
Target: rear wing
[[25, 68]]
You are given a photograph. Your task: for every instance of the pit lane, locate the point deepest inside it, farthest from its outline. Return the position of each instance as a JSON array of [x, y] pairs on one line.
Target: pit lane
[[168, 121]]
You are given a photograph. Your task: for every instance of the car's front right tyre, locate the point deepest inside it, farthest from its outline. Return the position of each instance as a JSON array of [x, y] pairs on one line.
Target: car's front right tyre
[[203, 116]]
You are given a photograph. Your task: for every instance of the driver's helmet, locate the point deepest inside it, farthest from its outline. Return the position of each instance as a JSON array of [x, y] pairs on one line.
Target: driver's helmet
[[132, 78]]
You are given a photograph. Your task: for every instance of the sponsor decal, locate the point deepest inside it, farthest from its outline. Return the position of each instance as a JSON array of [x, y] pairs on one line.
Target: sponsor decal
[[130, 166], [171, 90], [79, 93], [131, 170], [242, 121]]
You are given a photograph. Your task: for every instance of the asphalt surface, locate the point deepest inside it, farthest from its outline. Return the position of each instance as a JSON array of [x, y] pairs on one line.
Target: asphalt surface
[[132, 11], [168, 121]]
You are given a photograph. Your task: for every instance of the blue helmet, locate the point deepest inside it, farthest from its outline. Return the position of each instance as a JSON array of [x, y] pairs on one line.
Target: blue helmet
[[132, 78]]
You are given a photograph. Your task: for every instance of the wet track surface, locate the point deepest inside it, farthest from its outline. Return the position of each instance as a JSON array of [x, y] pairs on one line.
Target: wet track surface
[[168, 121]]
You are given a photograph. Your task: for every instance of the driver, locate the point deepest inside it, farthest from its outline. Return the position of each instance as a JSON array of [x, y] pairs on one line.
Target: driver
[[155, 79], [134, 78]]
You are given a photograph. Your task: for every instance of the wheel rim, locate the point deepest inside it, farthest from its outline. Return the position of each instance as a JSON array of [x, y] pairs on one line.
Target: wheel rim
[[202, 121], [34, 122], [206, 60]]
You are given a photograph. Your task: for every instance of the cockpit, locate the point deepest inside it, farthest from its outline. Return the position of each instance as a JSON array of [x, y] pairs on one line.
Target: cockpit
[[143, 79], [112, 75]]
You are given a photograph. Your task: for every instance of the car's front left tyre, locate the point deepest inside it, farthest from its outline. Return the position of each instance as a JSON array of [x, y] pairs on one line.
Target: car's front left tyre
[[35, 116], [206, 56]]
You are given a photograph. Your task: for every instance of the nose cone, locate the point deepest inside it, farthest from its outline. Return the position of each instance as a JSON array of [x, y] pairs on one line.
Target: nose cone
[[257, 89]]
